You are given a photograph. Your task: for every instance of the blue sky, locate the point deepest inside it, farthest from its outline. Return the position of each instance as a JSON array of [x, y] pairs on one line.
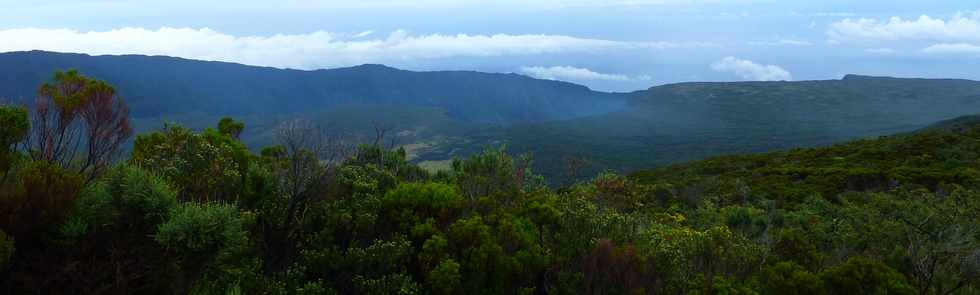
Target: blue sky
[[616, 45]]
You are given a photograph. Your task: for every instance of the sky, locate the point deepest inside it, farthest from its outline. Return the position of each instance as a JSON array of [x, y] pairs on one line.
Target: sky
[[609, 45]]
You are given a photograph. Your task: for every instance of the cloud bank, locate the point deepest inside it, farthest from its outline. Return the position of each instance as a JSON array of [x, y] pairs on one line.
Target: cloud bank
[[567, 73], [959, 27], [953, 49], [783, 42], [749, 70], [881, 51], [312, 50]]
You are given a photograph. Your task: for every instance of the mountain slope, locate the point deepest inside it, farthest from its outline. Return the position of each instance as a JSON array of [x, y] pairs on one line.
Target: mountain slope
[[163, 86], [931, 158], [687, 121], [454, 113]]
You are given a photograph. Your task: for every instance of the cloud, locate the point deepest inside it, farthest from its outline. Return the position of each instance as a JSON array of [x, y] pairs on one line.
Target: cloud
[[363, 34], [735, 14], [783, 42], [833, 14], [749, 70], [960, 27], [952, 49], [567, 73], [881, 51], [312, 50]]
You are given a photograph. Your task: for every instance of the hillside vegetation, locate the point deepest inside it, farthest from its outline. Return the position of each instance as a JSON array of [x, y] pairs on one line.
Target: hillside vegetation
[[159, 86], [572, 132], [688, 121], [196, 212]]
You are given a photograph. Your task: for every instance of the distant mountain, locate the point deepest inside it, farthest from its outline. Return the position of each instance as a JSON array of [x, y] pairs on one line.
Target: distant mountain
[[874, 102], [165, 86], [438, 115], [688, 121], [956, 124]]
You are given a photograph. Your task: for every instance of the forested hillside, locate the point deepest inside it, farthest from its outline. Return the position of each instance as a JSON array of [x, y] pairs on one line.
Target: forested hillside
[[689, 121], [196, 212], [571, 131], [159, 86]]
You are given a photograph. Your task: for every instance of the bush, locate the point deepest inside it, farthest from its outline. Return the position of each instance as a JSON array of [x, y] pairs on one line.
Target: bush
[[445, 278], [862, 275], [199, 234], [790, 278], [206, 166], [206, 228], [13, 129], [125, 199], [42, 198], [418, 201], [6, 249]]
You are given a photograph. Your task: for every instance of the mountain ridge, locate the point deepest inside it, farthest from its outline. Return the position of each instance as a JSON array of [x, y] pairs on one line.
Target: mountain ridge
[[234, 89], [458, 113]]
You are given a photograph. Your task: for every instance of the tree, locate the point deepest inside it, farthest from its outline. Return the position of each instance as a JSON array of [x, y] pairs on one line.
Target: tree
[[492, 173], [932, 238], [710, 252], [388, 161], [78, 123], [14, 127], [790, 278], [42, 197], [380, 129], [204, 166], [198, 234], [107, 127], [6, 250], [412, 203], [573, 165], [126, 199], [231, 127], [794, 245], [862, 275], [306, 168], [110, 229], [611, 269], [444, 279]]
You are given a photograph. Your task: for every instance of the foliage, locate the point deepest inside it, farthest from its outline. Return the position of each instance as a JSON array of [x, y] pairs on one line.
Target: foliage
[[230, 127], [445, 277], [861, 275], [42, 198], [110, 228], [14, 127], [204, 166], [708, 253], [620, 270], [790, 278], [202, 229], [7, 247], [79, 123], [413, 203], [201, 235], [197, 212], [125, 199]]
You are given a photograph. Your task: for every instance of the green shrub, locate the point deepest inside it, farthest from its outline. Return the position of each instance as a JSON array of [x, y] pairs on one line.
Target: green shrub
[[43, 196], [126, 199], [6, 249], [790, 278], [206, 228], [862, 275], [445, 278]]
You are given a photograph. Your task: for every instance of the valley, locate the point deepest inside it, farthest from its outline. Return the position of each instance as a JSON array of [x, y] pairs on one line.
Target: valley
[[457, 114]]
